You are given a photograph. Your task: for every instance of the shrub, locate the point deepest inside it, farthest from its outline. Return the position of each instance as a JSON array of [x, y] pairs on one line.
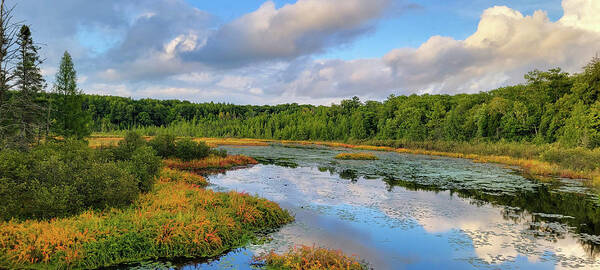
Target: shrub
[[164, 145], [188, 149], [144, 165], [128, 145], [61, 179]]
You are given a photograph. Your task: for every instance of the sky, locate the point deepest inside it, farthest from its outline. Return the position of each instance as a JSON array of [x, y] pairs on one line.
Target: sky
[[308, 51]]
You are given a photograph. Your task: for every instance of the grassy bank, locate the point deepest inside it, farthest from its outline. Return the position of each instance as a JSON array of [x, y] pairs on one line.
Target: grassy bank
[[177, 219]]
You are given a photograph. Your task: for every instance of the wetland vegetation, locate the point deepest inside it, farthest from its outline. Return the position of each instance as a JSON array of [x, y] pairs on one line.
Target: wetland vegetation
[[405, 181]]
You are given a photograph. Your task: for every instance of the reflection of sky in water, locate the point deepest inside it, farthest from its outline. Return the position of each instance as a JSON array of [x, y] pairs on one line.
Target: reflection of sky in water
[[400, 229], [395, 227]]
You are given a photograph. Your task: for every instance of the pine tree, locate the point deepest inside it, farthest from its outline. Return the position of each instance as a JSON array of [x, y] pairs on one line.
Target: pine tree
[[26, 114], [70, 119]]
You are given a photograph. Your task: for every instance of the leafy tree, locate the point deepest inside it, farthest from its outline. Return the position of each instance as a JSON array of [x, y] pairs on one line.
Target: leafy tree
[[70, 119]]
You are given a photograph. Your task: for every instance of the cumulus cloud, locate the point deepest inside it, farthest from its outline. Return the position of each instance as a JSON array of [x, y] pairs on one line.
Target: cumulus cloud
[[506, 45], [302, 28]]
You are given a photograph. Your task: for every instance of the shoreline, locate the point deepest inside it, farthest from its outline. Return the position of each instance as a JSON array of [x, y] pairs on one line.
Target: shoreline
[[534, 167]]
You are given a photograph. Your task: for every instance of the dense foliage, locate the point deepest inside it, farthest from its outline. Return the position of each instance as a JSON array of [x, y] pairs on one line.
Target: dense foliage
[[167, 146], [64, 178], [552, 106]]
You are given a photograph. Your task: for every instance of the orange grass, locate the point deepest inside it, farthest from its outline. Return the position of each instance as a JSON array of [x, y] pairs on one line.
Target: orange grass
[[212, 162], [356, 156], [311, 258], [176, 219], [167, 174], [214, 142]]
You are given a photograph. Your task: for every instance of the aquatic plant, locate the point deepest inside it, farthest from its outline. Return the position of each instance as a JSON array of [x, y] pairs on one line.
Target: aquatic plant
[[356, 156], [176, 220], [311, 258]]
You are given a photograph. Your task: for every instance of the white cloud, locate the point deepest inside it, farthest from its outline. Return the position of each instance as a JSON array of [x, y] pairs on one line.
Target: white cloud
[[506, 45], [302, 28]]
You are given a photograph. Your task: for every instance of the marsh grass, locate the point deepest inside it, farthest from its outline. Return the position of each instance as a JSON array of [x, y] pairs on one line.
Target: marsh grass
[[356, 156], [212, 162], [311, 258], [176, 220]]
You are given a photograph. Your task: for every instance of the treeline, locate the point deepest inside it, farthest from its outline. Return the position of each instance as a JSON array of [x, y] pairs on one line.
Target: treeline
[[552, 106]]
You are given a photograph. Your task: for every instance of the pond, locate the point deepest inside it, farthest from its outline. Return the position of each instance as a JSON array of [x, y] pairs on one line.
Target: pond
[[417, 212]]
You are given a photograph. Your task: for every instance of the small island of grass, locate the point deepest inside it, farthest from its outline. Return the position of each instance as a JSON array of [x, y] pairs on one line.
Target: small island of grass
[[305, 257], [356, 156]]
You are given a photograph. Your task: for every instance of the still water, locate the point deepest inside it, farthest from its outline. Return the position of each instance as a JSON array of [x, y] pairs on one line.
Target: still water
[[417, 212]]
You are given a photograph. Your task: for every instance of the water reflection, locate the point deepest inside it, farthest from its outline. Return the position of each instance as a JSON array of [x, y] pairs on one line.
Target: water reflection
[[428, 217]]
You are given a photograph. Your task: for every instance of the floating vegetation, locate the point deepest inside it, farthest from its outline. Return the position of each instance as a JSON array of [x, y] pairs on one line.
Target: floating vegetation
[[176, 220], [305, 258], [356, 156], [283, 162]]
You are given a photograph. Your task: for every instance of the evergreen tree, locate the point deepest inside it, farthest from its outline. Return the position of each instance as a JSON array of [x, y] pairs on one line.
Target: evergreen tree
[[70, 119], [26, 113]]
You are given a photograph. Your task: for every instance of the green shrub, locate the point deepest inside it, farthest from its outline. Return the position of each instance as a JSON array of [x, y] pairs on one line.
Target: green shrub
[[144, 165], [188, 149], [164, 145], [128, 145], [62, 179]]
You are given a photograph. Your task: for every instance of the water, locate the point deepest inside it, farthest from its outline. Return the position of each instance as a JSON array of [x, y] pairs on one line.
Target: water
[[417, 212]]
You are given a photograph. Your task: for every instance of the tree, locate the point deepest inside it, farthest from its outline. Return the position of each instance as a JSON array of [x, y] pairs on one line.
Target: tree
[[8, 56], [26, 114], [70, 118]]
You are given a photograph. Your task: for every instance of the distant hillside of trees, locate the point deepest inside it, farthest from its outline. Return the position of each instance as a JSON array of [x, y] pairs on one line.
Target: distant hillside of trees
[[552, 106]]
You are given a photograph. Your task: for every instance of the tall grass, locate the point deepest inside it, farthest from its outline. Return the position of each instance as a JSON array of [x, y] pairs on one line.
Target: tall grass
[[311, 258], [175, 220], [212, 162]]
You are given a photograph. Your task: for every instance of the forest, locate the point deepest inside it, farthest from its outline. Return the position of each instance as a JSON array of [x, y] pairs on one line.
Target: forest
[[550, 107]]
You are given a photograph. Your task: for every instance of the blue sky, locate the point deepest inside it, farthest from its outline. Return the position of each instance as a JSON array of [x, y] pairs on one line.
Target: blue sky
[[309, 51]]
